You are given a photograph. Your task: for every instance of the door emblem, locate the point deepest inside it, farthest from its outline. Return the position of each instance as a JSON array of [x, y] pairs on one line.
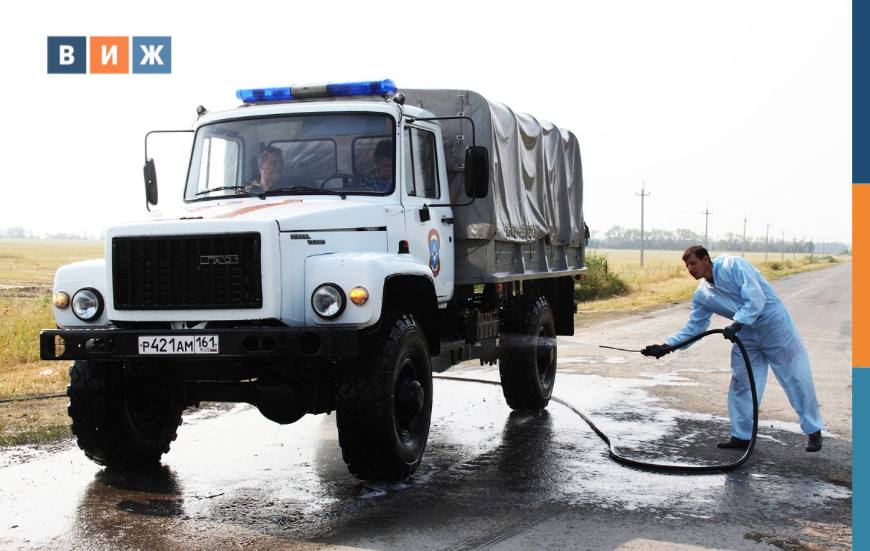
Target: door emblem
[[434, 251]]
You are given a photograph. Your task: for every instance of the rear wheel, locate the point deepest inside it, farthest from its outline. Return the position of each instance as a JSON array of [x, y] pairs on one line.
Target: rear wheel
[[122, 418], [527, 362], [383, 412]]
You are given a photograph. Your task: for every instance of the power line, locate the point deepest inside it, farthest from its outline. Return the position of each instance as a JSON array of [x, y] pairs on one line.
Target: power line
[[642, 195], [706, 214]]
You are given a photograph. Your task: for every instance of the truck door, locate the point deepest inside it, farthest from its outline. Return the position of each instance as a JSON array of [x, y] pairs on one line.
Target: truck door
[[424, 183]]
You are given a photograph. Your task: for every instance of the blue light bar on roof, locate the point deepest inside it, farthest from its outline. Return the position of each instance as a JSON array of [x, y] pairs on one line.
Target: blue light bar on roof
[[264, 94], [340, 89]]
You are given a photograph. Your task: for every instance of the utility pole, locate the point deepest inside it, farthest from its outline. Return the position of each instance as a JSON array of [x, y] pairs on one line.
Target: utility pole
[[706, 214], [766, 241], [642, 195], [782, 247], [794, 247], [743, 246]]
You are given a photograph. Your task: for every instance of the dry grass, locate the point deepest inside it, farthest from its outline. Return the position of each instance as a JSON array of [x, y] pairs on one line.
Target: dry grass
[[23, 374], [27, 268], [21, 371]]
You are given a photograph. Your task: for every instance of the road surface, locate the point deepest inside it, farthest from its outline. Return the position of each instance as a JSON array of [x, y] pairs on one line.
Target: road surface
[[490, 478]]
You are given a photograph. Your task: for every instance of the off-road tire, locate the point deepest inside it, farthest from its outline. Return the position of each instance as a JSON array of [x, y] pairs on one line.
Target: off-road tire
[[122, 420], [383, 411], [527, 359]]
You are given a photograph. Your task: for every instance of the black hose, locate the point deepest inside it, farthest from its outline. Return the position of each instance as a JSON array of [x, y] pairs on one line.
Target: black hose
[[30, 398], [667, 467]]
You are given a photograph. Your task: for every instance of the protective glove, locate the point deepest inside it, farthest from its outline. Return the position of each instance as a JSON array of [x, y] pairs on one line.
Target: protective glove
[[732, 330], [657, 350]]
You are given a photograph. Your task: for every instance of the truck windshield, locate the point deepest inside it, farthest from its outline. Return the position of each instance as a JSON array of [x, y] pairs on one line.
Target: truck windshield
[[293, 154]]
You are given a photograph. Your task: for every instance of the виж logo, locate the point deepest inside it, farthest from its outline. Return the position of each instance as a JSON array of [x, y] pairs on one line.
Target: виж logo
[[109, 54], [152, 54], [66, 54]]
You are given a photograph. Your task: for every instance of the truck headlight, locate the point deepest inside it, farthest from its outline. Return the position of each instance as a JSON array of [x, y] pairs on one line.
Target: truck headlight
[[87, 304], [328, 301]]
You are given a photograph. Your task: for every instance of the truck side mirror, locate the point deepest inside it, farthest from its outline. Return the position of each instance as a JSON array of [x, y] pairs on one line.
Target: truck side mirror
[[476, 172], [150, 174]]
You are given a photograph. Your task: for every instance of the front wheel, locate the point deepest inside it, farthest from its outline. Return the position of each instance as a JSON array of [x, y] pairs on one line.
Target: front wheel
[[527, 362], [122, 419], [383, 412]]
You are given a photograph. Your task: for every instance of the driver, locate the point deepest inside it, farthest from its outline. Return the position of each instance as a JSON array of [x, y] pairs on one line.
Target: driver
[[271, 165], [381, 178]]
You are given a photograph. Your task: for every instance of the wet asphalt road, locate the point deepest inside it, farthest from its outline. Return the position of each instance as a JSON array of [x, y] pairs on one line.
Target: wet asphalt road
[[490, 478]]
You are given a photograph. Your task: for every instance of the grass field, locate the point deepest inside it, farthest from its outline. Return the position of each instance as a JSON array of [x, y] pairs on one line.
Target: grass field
[[27, 270], [32, 262]]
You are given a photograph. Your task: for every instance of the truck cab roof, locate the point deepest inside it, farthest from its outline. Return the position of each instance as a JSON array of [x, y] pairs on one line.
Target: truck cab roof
[[323, 105]]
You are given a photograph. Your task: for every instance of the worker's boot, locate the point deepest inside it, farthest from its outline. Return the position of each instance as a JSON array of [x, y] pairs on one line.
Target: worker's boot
[[733, 444], [814, 441]]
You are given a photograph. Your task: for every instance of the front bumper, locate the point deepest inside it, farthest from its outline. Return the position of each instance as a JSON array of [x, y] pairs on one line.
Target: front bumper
[[234, 343]]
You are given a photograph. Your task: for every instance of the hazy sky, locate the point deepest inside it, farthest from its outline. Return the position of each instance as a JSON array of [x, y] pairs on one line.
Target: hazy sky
[[744, 106]]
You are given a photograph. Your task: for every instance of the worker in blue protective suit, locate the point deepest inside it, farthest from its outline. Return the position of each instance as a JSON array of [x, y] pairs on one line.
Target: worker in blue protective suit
[[732, 287]]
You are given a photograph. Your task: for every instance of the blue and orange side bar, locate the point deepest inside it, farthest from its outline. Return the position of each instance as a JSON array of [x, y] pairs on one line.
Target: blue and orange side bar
[[860, 275]]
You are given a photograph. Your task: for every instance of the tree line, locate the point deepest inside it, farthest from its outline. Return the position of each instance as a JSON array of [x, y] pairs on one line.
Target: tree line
[[19, 232], [619, 237]]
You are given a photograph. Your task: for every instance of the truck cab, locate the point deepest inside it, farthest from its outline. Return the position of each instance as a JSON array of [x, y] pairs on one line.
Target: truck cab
[[350, 167]]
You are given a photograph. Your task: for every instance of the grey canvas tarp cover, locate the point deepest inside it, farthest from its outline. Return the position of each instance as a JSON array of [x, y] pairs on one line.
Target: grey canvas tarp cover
[[536, 180]]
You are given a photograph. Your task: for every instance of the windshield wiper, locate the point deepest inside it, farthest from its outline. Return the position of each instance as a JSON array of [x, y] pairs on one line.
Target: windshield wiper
[[297, 189], [242, 189]]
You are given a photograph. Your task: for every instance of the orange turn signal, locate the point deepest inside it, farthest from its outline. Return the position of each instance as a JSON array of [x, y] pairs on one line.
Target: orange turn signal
[[60, 300], [359, 295]]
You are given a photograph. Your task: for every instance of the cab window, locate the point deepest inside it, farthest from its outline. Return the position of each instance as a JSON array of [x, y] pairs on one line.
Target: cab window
[[219, 163], [292, 154], [421, 164]]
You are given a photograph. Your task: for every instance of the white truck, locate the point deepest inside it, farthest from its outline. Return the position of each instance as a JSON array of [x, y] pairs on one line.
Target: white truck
[[306, 274]]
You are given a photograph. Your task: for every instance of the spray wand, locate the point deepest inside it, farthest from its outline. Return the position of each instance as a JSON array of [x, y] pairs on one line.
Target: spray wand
[[622, 349]]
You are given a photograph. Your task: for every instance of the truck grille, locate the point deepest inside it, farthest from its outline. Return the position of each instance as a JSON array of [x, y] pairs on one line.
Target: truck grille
[[181, 272]]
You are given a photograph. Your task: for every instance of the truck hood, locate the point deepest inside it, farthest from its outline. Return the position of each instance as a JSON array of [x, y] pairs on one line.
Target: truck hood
[[291, 214]]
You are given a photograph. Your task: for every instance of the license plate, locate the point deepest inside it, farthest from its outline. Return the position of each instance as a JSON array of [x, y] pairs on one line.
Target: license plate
[[189, 344]]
